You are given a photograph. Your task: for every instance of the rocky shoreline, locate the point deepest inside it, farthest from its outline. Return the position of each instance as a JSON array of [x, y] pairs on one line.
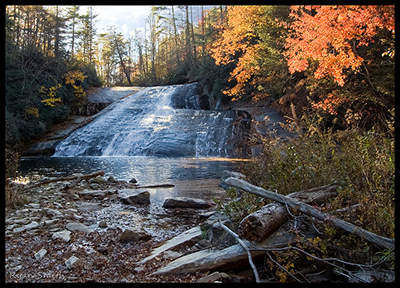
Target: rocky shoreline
[[97, 231]]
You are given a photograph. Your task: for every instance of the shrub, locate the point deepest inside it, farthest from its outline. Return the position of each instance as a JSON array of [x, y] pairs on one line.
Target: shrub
[[360, 162]]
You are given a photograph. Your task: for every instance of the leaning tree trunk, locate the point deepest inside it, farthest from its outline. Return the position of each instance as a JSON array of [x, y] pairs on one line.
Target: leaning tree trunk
[[262, 223]]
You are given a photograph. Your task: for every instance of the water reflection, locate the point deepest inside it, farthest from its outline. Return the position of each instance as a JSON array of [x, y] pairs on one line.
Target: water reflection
[[192, 177]]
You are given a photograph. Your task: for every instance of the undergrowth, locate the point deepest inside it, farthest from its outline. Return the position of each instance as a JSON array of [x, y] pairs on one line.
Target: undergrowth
[[361, 163]]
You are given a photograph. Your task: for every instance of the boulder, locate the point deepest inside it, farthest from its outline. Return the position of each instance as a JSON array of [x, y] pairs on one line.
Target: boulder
[[111, 179], [142, 198], [186, 202], [131, 235]]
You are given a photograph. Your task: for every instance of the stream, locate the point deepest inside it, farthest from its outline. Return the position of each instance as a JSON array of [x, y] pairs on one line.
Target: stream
[[159, 135]]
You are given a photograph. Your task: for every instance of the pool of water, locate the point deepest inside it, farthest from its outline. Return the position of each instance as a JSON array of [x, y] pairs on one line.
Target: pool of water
[[193, 177]]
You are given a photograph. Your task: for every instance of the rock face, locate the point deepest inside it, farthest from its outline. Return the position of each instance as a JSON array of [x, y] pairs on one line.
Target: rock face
[[46, 148], [185, 202], [142, 198], [131, 235]]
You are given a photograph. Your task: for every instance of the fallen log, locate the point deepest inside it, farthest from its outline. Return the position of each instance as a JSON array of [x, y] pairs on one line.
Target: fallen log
[[157, 186], [309, 210], [262, 223], [232, 257], [189, 235], [78, 177]]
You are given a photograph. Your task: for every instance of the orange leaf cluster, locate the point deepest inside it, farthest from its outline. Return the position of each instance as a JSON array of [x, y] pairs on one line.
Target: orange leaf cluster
[[330, 36], [237, 38], [330, 103]]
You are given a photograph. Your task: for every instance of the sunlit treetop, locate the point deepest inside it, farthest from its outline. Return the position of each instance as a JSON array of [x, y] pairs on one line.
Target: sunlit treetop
[[330, 36]]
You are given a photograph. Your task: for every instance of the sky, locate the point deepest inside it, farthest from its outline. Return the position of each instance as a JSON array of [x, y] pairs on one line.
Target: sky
[[126, 18]]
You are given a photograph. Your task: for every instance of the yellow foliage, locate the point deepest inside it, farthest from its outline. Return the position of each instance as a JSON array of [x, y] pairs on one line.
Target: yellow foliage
[[50, 93], [72, 77], [32, 111]]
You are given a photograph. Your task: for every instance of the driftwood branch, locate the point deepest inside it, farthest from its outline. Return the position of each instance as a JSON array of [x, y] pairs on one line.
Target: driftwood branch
[[245, 248], [263, 222], [309, 210], [78, 177]]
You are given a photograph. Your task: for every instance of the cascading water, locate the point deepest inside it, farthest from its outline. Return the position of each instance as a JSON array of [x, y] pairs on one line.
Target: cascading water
[[157, 121]]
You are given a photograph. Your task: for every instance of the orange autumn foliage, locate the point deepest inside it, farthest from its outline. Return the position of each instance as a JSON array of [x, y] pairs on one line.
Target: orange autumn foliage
[[237, 38], [330, 35]]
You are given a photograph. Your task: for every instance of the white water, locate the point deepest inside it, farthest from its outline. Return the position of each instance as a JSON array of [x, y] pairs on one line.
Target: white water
[[149, 124]]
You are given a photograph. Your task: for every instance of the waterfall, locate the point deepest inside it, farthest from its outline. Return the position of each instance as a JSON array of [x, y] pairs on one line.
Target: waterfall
[[157, 121]]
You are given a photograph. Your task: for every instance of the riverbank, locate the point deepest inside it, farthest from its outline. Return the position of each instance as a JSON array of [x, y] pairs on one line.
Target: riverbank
[[74, 235]]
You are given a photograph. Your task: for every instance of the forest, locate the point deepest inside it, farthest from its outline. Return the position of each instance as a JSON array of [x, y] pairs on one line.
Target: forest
[[53, 55], [329, 70]]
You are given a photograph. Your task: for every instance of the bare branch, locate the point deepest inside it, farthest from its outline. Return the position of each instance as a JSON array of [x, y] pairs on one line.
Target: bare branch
[[244, 247]]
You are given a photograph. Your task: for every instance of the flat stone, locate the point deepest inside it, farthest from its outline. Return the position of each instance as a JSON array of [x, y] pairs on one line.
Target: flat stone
[[142, 198], [131, 235], [34, 205], [21, 221], [186, 202], [39, 255], [78, 227], [88, 207], [32, 225], [54, 213], [19, 229], [71, 262], [64, 235]]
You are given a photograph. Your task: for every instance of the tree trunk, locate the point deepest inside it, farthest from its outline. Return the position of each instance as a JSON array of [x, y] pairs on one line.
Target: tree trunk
[[262, 223], [175, 36], [122, 64], [309, 210]]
